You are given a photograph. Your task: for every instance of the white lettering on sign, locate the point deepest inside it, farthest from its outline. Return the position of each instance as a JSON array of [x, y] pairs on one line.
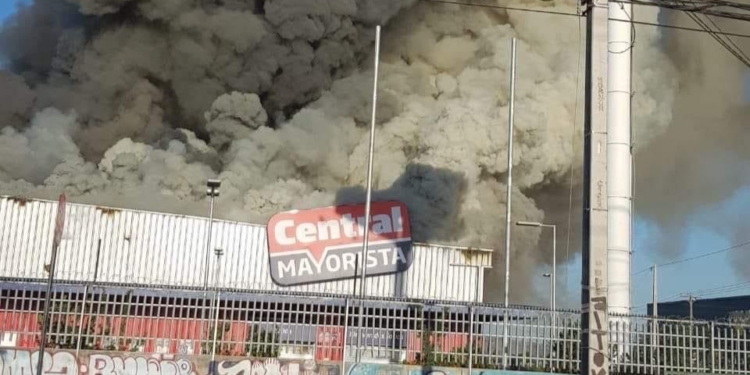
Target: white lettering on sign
[[287, 232], [292, 267]]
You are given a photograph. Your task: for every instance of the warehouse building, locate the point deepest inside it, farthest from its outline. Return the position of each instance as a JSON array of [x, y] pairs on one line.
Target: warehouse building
[[704, 309], [133, 280]]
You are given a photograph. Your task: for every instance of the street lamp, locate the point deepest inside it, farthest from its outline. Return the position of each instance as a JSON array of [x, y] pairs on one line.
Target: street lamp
[[471, 308], [553, 276], [212, 191]]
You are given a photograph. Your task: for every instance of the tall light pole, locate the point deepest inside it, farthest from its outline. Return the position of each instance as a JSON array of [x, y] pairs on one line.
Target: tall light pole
[[553, 316], [368, 201], [212, 191], [511, 109], [551, 287], [554, 255], [471, 309], [219, 253]]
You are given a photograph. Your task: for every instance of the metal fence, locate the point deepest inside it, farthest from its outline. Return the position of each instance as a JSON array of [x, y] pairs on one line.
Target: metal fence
[[326, 328]]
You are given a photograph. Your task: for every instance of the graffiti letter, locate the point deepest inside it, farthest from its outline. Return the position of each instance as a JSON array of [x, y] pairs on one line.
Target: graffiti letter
[[234, 368], [100, 364], [16, 362]]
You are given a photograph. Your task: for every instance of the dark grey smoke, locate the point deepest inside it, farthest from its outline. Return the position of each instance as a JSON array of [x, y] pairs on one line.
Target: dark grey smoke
[[137, 102], [686, 174]]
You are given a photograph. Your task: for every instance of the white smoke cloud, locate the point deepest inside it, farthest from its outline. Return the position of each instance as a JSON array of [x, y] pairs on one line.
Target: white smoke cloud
[[32, 155], [276, 104]]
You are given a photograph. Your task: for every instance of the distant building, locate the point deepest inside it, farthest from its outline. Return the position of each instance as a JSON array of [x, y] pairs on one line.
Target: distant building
[[703, 309]]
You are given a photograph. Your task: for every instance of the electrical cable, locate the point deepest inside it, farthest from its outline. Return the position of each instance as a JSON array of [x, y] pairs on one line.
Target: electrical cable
[[493, 6], [707, 292], [703, 7], [684, 28], [737, 48], [666, 26], [735, 246], [632, 31], [719, 289], [738, 54], [574, 136]]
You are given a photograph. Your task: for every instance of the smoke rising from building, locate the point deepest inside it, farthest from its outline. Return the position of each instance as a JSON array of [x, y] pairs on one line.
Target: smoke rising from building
[[138, 102], [701, 159]]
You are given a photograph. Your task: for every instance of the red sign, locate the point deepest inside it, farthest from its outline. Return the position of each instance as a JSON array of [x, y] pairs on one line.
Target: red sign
[[324, 244], [60, 222]]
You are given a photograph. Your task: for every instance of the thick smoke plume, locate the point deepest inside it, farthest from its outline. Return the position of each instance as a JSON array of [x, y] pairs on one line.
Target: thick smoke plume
[[137, 102], [687, 174]]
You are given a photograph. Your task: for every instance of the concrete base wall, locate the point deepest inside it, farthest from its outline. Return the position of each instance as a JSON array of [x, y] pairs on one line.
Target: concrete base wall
[[65, 362]]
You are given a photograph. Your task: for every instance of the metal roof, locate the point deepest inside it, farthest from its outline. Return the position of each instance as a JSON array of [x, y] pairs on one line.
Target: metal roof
[[159, 249]]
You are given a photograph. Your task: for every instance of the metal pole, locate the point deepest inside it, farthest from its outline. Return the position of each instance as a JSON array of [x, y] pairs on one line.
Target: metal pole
[[86, 296], [551, 294], [554, 267], [215, 307], [370, 158], [471, 336], [655, 310], [654, 314], [554, 290], [712, 362], [96, 262], [216, 332], [80, 321], [208, 257], [691, 299], [471, 319], [346, 332], [552, 318], [45, 320], [508, 195]]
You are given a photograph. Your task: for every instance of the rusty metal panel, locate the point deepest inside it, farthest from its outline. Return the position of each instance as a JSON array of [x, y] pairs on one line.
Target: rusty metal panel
[[157, 249]]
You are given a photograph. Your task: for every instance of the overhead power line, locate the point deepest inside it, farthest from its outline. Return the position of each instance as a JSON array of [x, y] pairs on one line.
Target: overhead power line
[[495, 6], [709, 291], [730, 46], [708, 7], [736, 47], [569, 14], [736, 246], [720, 289], [684, 28]]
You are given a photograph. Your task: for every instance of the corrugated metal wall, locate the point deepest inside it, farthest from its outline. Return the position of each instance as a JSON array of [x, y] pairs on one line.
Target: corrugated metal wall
[[147, 248]]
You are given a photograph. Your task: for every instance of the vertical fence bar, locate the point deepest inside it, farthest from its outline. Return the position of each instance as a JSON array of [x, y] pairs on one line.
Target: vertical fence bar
[[712, 359], [471, 337], [346, 333], [674, 345]]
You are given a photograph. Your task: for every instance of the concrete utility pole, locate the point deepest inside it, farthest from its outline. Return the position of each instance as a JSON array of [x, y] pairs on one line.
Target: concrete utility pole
[[595, 351], [619, 173], [691, 299]]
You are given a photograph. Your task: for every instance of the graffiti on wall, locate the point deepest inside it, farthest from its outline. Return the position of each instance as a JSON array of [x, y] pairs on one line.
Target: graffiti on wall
[[269, 366], [374, 369], [23, 362]]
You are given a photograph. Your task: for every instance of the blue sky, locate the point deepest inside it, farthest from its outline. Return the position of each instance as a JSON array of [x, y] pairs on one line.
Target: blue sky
[[709, 272], [7, 7]]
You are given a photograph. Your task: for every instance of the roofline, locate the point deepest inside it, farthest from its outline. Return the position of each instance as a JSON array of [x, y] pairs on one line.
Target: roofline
[[427, 244]]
